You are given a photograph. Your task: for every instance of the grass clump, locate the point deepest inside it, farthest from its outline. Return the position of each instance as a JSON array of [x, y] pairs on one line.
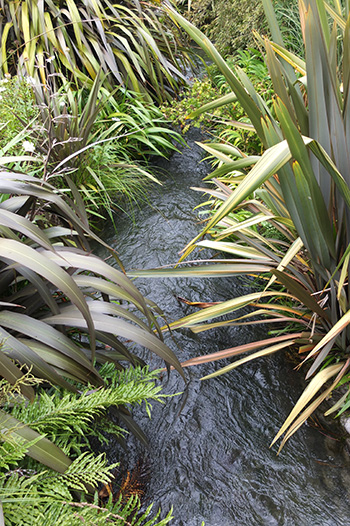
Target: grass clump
[[102, 142], [17, 109]]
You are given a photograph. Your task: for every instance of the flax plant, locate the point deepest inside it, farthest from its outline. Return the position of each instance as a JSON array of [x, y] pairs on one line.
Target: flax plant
[[127, 40], [299, 187]]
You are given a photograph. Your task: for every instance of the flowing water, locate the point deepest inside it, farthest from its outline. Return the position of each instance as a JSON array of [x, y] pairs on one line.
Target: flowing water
[[211, 460]]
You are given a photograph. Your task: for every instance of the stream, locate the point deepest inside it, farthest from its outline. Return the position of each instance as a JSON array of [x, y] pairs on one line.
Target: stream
[[209, 452]]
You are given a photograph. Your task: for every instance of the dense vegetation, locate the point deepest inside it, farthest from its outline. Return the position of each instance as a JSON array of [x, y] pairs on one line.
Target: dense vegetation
[[80, 88], [74, 40], [284, 215], [102, 141], [231, 24], [33, 495], [216, 18]]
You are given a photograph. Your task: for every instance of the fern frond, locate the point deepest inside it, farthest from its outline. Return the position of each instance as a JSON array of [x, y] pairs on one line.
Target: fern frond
[[44, 497], [63, 415], [11, 452], [88, 469], [32, 502], [114, 377]]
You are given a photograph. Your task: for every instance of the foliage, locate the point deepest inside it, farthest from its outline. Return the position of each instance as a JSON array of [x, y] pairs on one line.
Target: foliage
[[60, 508], [48, 270], [41, 496], [54, 290], [229, 23], [237, 130], [129, 41], [17, 105], [228, 122], [69, 419], [251, 61], [301, 186], [201, 91], [93, 136], [287, 15]]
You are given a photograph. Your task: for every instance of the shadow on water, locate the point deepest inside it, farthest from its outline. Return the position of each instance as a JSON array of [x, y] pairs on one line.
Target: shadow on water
[[212, 461]]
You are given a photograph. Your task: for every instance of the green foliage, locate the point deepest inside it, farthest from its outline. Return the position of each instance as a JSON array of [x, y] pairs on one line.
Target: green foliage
[[101, 141], [226, 121], [66, 418], [200, 92], [59, 290], [17, 108], [252, 62], [287, 15], [230, 23], [41, 496], [60, 508], [133, 43], [301, 186]]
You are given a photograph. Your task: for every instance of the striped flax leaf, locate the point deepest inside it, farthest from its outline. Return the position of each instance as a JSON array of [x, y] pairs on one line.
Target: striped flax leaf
[[18, 252], [264, 352], [117, 326], [234, 351], [314, 386]]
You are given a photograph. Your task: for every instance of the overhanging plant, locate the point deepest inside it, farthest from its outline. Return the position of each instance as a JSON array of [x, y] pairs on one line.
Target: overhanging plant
[[128, 40], [59, 485], [53, 290], [98, 140], [300, 185]]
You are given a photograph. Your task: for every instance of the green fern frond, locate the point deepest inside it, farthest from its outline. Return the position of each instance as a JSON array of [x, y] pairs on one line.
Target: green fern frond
[[88, 469], [12, 452], [114, 377], [35, 502], [43, 497], [63, 415]]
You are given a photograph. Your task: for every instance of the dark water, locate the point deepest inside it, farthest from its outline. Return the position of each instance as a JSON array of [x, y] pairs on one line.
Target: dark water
[[212, 461]]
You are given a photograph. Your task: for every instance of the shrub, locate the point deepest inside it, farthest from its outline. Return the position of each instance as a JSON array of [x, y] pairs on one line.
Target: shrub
[[229, 23], [197, 106], [58, 299]]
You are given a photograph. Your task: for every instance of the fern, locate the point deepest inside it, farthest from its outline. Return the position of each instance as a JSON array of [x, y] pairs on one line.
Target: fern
[[11, 452], [42, 497], [88, 469], [84, 513], [41, 500], [66, 418]]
